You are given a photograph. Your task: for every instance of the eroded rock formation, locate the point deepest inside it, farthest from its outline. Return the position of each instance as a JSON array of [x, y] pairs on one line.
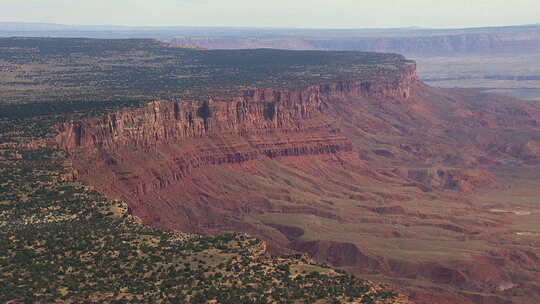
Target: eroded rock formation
[[259, 123], [342, 171]]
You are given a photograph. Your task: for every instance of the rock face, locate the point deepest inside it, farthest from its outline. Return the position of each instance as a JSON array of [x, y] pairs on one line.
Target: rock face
[[147, 153], [253, 112], [453, 179], [258, 123], [352, 172], [335, 253]]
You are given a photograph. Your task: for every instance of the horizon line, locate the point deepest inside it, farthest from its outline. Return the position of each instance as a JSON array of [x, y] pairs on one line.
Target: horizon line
[[147, 27]]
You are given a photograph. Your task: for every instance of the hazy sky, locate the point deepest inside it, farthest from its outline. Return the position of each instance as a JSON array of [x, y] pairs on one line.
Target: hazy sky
[[276, 13]]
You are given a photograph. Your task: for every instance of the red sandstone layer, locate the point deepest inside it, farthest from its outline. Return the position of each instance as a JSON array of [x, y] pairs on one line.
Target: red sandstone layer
[[299, 167]]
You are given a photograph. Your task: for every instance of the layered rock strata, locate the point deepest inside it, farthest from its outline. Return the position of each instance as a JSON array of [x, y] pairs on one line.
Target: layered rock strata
[[252, 112], [146, 155], [342, 171], [257, 123]]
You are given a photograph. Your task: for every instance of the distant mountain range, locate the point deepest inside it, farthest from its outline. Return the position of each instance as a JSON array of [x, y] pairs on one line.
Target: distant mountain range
[[408, 41]]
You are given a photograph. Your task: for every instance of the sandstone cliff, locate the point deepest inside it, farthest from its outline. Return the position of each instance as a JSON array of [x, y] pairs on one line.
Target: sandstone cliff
[[144, 155], [366, 174], [257, 123]]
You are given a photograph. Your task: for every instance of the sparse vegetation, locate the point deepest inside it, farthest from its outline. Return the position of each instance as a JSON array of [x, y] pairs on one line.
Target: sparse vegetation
[[62, 241], [64, 75]]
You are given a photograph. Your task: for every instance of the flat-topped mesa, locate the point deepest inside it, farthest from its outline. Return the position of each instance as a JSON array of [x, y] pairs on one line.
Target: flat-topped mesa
[[179, 137], [254, 112], [393, 85]]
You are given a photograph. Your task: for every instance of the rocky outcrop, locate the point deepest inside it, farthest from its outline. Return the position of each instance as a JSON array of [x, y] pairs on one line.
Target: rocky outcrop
[[158, 153], [350, 172], [257, 123], [336, 253], [452, 179]]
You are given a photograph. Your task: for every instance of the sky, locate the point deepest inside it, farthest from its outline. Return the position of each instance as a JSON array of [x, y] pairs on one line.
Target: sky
[[276, 13]]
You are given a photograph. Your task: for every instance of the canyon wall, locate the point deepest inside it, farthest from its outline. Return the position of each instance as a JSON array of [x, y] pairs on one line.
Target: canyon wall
[[139, 154], [253, 113], [343, 171]]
